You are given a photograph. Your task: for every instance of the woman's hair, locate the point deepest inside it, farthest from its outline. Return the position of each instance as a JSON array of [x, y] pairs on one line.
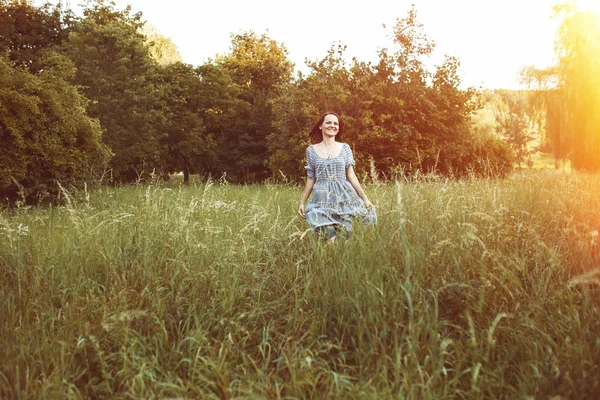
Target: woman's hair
[[316, 136]]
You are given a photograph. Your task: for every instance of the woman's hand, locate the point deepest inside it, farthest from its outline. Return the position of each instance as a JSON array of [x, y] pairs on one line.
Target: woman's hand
[[368, 204], [301, 211]]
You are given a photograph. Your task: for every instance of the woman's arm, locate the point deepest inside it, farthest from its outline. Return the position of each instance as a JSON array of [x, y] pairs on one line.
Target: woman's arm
[[356, 185], [310, 182]]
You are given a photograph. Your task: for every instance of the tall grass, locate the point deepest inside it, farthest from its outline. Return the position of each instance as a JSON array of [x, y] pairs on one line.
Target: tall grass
[[468, 289]]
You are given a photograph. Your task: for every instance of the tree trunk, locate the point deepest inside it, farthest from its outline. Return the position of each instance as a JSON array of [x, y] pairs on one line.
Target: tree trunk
[[186, 172]]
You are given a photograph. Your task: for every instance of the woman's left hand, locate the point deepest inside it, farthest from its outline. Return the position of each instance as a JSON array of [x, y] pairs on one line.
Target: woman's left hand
[[368, 204]]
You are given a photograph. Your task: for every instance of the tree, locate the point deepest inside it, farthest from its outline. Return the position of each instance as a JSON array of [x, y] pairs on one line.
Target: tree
[[259, 67], [185, 145], [578, 50], [516, 124], [28, 32], [569, 92], [294, 114], [162, 48], [114, 70], [45, 132], [398, 116]]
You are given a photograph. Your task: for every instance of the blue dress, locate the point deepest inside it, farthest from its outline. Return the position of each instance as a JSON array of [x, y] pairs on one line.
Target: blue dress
[[334, 201]]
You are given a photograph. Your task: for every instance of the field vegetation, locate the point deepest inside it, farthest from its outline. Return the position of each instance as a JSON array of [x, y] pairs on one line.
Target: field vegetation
[[465, 289]]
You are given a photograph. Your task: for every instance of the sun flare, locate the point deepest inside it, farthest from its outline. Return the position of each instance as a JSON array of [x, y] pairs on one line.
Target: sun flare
[[589, 5]]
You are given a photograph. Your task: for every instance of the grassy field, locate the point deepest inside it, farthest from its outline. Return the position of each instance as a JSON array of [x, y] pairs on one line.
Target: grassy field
[[469, 289]]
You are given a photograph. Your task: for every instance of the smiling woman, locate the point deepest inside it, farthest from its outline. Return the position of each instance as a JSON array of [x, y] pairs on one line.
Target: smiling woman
[[338, 196]]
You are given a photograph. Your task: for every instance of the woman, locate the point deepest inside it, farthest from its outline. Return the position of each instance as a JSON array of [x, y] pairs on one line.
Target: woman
[[338, 197]]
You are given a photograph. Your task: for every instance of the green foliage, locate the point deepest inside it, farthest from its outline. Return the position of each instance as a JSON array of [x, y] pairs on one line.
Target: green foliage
[[295, 114], [259, 67], [258, 63], [242, 116], [489, 156], [475, 289], [27, 32], [398, 116], [45, 132], [114, 70], [185, 144]]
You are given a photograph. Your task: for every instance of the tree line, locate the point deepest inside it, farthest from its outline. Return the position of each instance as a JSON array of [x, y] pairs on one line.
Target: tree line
[[99, 95]]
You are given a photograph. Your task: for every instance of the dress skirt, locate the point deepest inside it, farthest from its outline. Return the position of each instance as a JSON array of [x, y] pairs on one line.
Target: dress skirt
[[334, 201]]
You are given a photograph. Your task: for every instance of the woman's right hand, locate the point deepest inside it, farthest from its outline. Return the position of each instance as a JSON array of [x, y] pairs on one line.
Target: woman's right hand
[[301, 211]]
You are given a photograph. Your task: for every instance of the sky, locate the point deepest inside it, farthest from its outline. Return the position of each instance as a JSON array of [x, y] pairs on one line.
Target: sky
[[492, 39]]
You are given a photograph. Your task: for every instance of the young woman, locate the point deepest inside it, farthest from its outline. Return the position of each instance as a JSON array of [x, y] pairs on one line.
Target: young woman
[[338, 197]]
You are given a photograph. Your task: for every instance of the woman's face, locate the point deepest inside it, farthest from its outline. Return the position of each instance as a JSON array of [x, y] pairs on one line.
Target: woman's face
[[330, 126]]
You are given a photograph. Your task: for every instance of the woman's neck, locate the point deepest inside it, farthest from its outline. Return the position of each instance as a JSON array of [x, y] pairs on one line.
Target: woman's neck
[[328, 141]]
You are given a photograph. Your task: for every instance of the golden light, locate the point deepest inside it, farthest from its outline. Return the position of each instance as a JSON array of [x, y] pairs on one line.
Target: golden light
[[589, 5], [579, 40]]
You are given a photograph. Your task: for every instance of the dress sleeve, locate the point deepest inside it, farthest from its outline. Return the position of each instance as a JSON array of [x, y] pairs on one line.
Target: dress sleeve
[[310, 164], [348, 157]]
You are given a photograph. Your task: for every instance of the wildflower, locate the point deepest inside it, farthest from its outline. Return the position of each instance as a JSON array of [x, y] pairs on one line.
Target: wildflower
[[22, 230]]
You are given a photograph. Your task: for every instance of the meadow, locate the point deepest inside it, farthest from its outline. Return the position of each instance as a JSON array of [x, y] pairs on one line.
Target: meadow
[[470, 289]]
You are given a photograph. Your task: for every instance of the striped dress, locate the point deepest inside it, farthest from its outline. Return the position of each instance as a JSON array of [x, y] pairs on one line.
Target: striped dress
[[334, 200]]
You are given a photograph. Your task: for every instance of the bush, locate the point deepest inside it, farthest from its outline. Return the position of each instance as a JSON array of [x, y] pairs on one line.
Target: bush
[[491, 157], [45, 132]]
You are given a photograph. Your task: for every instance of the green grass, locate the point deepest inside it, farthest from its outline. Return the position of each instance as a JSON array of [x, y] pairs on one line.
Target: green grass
[[469, 289]]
